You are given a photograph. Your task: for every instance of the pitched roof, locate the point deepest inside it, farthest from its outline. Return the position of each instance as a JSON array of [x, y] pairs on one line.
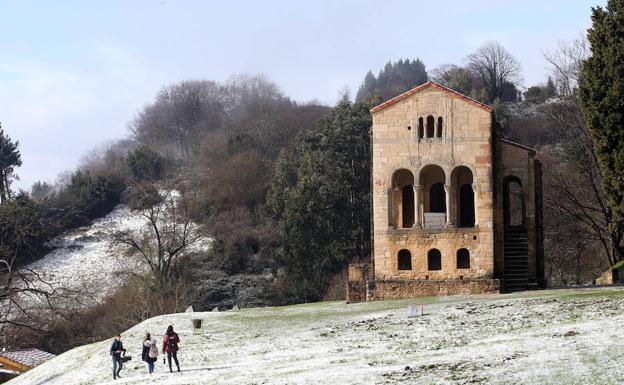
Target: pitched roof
[[429, 84], [27, 357], [522, 146]]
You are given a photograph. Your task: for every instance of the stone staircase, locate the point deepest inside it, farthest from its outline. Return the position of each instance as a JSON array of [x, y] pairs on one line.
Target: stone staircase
[[516, 274]]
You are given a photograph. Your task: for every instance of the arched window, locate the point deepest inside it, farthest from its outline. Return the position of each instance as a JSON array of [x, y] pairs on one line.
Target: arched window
[[466, 206], [437, 198], [463, 259], [464, 200], [513, 202], [402, 199], [434, 259], [405, 260], [439, 128], [408, 206], [421, 128], [430, 126]]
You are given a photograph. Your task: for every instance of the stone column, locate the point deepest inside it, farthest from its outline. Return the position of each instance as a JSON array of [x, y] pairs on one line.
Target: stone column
[[449, 217], [476, 216], [390, 207], [417, 223]]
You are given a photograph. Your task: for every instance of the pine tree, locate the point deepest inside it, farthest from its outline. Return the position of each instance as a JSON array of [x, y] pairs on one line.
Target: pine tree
[[602, 100], [394, 79], [550, 89], [10, 158]]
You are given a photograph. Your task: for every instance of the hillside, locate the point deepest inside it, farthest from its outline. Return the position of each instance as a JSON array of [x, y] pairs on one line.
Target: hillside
[[555, 337], [86, 265]]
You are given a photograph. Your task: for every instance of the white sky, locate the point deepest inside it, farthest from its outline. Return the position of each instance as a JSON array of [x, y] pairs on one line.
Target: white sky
[[74, 73]]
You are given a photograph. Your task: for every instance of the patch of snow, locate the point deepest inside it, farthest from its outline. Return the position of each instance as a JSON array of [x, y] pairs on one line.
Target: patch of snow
[[87, 259], [554, 337], [88, 265]]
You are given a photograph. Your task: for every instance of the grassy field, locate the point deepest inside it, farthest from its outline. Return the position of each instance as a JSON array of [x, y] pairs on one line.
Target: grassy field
[[541, 337]]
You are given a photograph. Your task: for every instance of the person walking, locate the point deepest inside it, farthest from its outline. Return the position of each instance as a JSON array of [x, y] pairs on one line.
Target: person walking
[[115, 352], [170, 346], [150, 352]]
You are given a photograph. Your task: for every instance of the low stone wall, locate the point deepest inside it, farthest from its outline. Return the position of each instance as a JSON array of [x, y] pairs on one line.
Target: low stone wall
[[392, 289], [359, 272], [356, 282], [356, 291]]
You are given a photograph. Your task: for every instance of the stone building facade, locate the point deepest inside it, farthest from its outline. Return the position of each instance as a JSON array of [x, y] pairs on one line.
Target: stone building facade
[[456, 207]]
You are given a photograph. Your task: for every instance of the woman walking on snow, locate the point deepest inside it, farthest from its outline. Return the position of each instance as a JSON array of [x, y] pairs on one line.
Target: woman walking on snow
[[150, 352], [170, 346]]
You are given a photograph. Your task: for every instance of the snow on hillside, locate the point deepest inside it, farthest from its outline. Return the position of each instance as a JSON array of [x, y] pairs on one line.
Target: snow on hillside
[[85, 258], [554, 337], [87, 261]]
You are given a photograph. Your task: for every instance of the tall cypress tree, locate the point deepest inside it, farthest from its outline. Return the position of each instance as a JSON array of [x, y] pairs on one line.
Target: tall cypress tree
[[320, 196], [602, 100]]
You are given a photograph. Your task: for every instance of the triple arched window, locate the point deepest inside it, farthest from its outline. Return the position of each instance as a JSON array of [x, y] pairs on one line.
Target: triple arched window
[[427, 127], [434, 259]]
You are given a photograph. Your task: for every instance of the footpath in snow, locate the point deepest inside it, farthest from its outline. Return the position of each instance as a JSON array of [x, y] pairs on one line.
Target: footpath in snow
[[545, 337]]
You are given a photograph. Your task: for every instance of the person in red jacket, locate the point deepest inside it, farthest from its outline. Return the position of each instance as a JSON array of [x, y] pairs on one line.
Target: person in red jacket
[[170, 346]]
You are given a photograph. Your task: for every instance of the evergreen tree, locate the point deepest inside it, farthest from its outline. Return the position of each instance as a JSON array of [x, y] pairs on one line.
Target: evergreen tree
[[321, 197], [24, 230], [551, 89], [144, 164], [10, 158], [602, 100], [368, 87], [394, 79]]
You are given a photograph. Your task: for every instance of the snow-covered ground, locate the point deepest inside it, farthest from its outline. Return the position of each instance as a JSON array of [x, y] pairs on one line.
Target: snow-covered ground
[[88, 264], [86, 259], [546, 337]]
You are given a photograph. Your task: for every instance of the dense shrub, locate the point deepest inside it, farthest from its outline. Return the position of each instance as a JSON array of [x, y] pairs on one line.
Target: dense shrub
[[144, 164], [24, 230], [87, 197]]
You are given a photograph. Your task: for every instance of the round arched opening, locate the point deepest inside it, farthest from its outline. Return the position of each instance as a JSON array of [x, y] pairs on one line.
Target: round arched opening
[[403, 213], [404, 260], [513, 202], [434, 260], [464, 202], [463, 259]]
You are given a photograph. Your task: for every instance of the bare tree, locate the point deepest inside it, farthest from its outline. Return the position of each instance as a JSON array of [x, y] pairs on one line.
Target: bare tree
[[19, 287], [574, 183], [455, 77], [565, 64], [577, 189], [168, 233], [495, 67], [180, 116]]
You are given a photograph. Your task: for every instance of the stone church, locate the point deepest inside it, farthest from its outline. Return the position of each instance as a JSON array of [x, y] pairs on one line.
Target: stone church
[[456, 207]]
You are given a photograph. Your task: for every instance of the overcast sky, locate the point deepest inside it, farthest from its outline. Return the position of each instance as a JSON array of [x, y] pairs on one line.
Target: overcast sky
[[74, 73]]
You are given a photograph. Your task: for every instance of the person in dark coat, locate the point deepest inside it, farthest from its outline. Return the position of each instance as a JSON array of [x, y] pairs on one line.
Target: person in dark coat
[[150, 352], [170, 346], [115, 351]]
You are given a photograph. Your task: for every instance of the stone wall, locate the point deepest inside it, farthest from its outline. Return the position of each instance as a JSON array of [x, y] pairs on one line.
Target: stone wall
[[465, 142], [448, 241], [356, 291], [358, 275], [388, 289], [519, 161], [466, 151]]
